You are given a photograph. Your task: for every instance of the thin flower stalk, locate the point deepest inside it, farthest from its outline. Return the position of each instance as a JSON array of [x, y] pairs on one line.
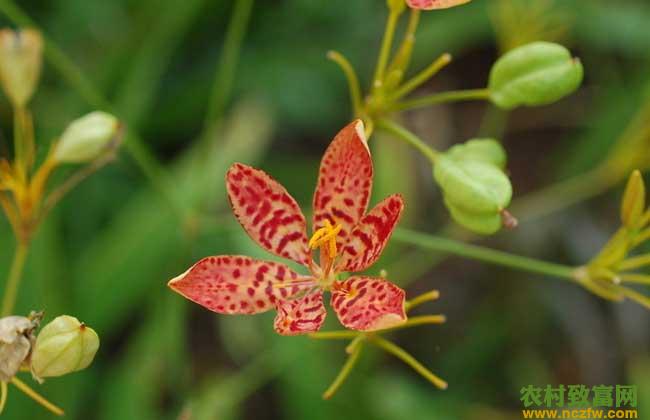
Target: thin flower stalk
[[359, 338], [27, 390]]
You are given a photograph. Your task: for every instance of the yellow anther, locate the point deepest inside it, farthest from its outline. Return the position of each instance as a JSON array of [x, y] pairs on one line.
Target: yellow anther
[[326, 236]]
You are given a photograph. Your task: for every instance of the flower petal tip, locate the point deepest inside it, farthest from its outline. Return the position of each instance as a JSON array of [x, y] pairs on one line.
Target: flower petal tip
[[361, 131], [434, 4], [237, 284], [368, 304], [267, 212], [387, 321]]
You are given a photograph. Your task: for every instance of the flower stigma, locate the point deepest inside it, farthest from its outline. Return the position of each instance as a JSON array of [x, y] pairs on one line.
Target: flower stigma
[[326, 237]]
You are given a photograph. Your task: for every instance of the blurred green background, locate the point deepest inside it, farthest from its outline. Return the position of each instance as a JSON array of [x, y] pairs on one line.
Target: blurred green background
[[108, 250]]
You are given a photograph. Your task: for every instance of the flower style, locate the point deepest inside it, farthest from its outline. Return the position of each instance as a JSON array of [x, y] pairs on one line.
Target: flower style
[[434, 4], [348, 240]]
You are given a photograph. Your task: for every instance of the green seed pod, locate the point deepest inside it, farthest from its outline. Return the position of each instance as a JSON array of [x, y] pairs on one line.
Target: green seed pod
[[20, 64], [485, 150], [534, 74], [475, 189], [87, 138], [485, 223], [633, 204], [16, 341], [63, 346]]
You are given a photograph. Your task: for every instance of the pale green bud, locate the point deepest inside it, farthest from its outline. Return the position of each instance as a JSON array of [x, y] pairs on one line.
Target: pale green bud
[[87, 138], [20, 64], [476, 190], [16, 341], [63, 346], [633, 204], [534, 74]]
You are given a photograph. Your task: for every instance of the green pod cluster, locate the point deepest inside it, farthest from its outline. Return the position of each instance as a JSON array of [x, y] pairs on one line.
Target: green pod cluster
[[476, 190], [534, 74]]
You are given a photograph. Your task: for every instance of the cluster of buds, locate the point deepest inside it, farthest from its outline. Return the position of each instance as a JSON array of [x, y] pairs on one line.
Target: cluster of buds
[[476, 188], [63, 346], [89, 140], [608, 274]]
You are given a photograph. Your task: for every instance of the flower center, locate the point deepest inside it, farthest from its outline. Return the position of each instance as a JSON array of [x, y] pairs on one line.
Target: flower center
[[325, 238]]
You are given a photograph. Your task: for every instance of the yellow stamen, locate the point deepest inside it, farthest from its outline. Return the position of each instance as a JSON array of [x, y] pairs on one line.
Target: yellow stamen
[[326, 236]]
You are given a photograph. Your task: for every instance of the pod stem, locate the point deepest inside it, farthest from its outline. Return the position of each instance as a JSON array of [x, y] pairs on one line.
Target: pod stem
[[36, 397]]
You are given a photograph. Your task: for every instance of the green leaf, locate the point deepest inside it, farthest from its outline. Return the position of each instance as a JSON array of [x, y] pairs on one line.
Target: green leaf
[[535, 74]]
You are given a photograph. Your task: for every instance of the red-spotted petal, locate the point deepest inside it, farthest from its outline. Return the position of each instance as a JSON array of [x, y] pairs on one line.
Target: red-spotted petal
[[434, 4], [267, 212], [300, 316], [369, 237], [233, 284], [344, 181], [368, 304]]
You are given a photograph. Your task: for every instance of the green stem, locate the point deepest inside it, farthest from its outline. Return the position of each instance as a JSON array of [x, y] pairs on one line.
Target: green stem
[[448, 246], [344, 373], [635, 278], [440, 98], [634, 262], [19, 144], [13, 281], [636, 296], [148, 164], [423, 298], [384, 53], [402, 58], [401, 354], [36, 396], [3, 396], [353, 80], [404, 134], [419, 320], [334, 335], [228, 62], [426, 74]]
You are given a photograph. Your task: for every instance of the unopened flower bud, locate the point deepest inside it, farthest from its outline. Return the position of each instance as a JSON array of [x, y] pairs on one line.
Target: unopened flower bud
[[20, 64], [534, 74], [63, 346], [474, 186], [87, 138], [16, 340], [633, 204]]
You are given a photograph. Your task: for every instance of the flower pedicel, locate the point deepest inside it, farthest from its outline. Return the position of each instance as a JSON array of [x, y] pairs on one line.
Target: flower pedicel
[[348, 238]]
